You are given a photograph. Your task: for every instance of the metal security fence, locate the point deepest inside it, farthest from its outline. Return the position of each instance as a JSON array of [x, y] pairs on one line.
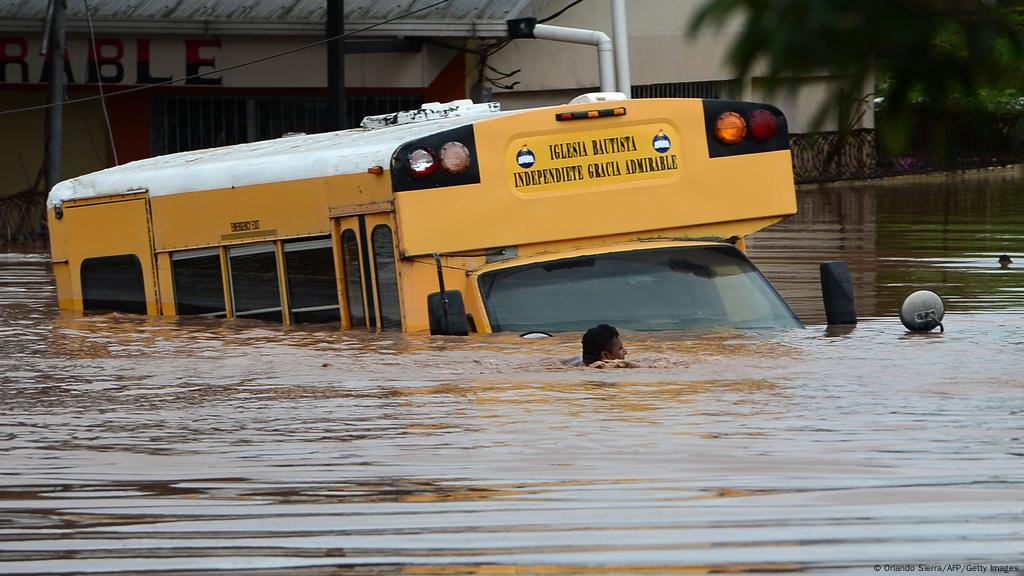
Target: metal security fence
[[954, 140], [958, 142], [23, 217], [825, 156], [181, 123]]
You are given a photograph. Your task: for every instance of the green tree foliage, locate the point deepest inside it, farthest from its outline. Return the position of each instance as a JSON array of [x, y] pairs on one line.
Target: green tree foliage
[[948, 54]]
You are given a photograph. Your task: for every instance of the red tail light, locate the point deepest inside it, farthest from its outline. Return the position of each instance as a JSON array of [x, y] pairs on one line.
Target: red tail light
[[763, 125]]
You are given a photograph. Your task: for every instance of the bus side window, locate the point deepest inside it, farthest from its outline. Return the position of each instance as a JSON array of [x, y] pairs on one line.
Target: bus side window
[[387, 277], [254, 282], [114, 283], [312, 288], [198, 284], [353, 278]]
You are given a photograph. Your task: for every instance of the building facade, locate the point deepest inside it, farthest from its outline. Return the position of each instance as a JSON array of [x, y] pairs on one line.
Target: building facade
[[212, 74], [190, 75]]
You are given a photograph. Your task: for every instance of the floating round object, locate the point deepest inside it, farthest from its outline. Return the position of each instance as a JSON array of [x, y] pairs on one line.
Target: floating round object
[[534, 335], [922, 311]]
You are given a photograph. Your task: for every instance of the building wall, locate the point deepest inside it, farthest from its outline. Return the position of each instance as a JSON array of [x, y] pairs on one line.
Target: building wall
[[24, 140], [811, 104], [661, 50]]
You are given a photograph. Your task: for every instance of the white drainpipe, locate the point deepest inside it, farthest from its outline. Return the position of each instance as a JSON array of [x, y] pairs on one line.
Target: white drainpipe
[[527, 28], [619, 29]]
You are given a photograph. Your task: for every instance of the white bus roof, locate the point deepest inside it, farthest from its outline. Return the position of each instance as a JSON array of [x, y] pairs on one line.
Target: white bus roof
[[288, 158]]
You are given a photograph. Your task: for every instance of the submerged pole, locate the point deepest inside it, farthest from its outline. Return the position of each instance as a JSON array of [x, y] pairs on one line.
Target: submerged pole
[[55, 113], [336, 116]]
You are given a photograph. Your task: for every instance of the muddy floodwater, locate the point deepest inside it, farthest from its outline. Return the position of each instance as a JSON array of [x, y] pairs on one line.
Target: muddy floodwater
[[148, 445]]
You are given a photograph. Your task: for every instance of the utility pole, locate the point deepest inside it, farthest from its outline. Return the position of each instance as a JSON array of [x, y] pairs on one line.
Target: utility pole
[[336, 119], [621, 41], [55, 113]]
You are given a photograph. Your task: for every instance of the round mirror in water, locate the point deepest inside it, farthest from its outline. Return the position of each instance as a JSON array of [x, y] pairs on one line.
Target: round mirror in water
[[922, 311]]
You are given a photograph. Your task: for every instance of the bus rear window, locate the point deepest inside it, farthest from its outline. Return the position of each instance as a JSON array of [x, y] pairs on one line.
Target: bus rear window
[[657, 289]]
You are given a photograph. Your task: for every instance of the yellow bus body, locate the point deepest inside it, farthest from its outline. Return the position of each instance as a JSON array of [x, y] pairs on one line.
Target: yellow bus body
[[584, 186]]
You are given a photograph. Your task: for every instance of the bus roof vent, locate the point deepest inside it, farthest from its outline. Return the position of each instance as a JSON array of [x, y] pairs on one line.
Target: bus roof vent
[[431, 111], [591, 97]]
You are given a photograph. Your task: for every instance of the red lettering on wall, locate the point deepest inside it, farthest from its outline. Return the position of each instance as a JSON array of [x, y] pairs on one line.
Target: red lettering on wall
[[194, 61], [142, 71], [15, 57], [101, 61]]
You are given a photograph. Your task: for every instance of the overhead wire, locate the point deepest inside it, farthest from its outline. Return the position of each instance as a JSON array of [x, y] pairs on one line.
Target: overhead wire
[[99, 80], [482, 66], [227, 68], [45, 47], [559, 13]]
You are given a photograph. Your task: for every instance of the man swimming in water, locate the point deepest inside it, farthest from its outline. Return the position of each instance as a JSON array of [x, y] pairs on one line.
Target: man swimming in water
[[603, 348]]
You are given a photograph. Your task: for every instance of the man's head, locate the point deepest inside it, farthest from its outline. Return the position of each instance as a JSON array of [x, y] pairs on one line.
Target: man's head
[[602, 342]]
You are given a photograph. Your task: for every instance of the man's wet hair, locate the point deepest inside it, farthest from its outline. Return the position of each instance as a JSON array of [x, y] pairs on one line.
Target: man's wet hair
[[596, 340]]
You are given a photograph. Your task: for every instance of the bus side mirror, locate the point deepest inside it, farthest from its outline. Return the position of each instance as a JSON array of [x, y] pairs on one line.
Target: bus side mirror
[[447, 313], [837, 293]]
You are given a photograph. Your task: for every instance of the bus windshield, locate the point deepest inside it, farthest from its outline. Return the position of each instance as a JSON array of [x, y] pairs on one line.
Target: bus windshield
[[654, 289]]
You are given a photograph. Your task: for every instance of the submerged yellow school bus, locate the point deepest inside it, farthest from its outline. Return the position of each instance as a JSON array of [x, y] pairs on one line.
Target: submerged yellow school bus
[[454, 218]]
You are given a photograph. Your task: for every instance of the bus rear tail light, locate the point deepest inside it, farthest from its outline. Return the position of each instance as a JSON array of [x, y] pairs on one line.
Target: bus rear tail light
[[730, 128], [439, 160], [763, 125], [734, 128], [422, 162], [454, 157]]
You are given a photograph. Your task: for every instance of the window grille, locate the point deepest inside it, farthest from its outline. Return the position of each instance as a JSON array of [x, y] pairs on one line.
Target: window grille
[[182, 123], [710, 90]]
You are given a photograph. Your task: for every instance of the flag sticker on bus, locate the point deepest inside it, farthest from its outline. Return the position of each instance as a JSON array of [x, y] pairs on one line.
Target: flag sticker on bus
[[525, 157], [572, 160], [661, 142]]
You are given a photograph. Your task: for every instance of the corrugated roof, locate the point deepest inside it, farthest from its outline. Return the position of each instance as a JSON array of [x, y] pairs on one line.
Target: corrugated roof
[[480, 18]]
